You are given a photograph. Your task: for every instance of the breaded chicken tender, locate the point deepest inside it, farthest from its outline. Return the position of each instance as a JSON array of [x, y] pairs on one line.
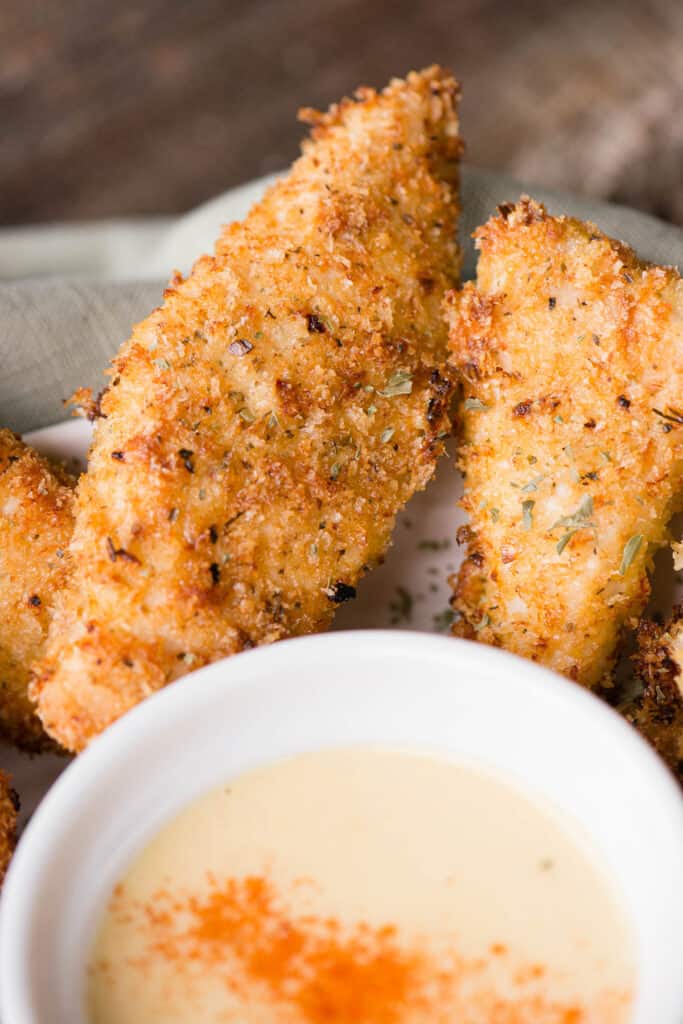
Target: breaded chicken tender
[[570, 351], [36, 520], [263, 427], [9, 805], [658, 713]]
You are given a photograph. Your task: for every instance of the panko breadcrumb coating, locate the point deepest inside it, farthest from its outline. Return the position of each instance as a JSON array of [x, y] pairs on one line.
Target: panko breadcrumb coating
[[9, 805], [658, 713], [36, 509], [570, 351], [263, 427]]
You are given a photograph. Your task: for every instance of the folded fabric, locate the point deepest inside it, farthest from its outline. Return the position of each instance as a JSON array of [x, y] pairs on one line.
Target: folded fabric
[[69, 294]]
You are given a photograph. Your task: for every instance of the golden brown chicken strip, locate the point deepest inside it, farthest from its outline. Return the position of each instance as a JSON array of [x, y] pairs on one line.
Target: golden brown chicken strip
[[9, 805], [36, 509], [658, 713], [265, 425], [571, 355]]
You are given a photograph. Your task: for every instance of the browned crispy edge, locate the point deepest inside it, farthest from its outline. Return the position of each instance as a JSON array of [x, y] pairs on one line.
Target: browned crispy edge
[[658, 712], [9, 807]]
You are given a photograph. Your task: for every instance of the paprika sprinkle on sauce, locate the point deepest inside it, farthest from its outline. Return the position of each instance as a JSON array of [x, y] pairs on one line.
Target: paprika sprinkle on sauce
[[326, 973], [287, 899], [241, 934]]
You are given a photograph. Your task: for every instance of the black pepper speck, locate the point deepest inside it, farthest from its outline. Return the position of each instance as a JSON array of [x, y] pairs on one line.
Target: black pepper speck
[[315, 324], [340, 592]]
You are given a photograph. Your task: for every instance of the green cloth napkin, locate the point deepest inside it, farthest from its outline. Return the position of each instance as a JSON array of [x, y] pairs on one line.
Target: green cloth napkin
[[69, 294]]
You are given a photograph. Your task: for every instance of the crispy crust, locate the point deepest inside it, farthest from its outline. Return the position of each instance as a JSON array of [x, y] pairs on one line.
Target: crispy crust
[[36, 501], [256, 442], [9, 805], [658, 714], [566, 346]]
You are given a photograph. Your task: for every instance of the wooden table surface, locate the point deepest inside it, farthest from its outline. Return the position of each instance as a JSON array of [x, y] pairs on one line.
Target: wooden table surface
[[151, 107]]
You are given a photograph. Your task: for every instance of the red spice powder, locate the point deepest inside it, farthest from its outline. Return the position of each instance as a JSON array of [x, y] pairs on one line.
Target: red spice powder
[[325, 972]]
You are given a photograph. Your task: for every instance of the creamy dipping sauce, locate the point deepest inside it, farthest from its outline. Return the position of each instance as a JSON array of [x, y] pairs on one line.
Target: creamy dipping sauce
[[363, 886]]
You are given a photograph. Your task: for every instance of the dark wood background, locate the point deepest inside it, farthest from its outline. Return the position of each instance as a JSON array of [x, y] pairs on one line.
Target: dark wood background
[[151, 106]]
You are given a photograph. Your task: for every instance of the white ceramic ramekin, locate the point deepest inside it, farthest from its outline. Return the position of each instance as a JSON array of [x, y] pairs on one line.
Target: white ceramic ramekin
[[414, 690]]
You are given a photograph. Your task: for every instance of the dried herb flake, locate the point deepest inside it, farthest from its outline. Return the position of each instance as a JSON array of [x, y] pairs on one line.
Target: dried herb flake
[[631, 549], [533, 484], [400, 383]]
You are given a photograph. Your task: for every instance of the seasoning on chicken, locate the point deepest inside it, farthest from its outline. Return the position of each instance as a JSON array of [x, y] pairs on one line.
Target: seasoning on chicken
[[36, 520], [264, 426], [570, 351]]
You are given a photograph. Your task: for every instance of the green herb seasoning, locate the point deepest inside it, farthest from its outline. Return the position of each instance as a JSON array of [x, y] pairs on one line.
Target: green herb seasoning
[[579, 520], [585, 509], [533, 484], [400, 383], [631, 549], [563, 541]]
